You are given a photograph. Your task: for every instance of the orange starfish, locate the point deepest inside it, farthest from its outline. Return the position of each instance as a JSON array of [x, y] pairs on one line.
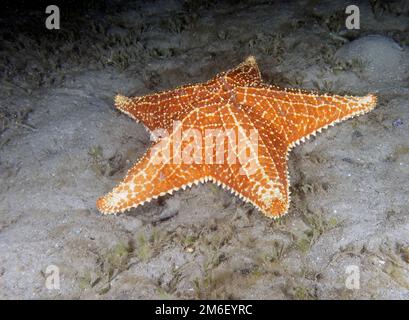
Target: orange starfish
[[234, 101]]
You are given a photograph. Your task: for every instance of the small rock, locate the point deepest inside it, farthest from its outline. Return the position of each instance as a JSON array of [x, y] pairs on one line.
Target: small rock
[[397, 123], [382, 59], [189, 249]]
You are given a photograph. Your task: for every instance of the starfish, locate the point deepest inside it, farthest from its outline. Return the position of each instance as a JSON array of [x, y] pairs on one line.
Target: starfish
[[234, 101]]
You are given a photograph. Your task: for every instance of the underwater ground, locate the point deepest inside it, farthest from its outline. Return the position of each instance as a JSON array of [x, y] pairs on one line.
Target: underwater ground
[[63, 145]]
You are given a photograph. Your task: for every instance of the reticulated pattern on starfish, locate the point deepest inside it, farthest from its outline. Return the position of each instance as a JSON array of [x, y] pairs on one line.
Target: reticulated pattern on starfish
[[254, 123], [160, 110]]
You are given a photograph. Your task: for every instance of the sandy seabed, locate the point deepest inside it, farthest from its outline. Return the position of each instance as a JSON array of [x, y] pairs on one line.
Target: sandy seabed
[[62, 145]]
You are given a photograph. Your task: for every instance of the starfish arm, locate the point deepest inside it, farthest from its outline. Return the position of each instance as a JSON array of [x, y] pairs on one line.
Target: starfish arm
[[263, 188], [297, 114], [161, 109], [166, 167], [255, 173], [245, 74], [148, 180]]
